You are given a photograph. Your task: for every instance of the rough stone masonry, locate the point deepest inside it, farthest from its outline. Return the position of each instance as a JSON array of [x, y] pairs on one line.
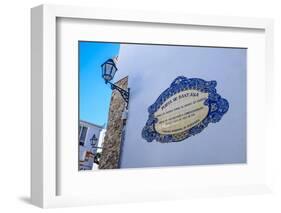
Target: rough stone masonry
[[112, 141]]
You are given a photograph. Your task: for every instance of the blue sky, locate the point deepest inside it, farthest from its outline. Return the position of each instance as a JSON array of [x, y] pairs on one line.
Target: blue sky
[[94, 93]]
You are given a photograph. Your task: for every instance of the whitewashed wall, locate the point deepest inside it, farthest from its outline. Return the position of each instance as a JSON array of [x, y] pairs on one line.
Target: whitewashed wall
[[92, 129], [151, 69]]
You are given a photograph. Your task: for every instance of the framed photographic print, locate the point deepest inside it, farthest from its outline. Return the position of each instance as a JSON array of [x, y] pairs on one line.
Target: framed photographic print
[[151, 106]]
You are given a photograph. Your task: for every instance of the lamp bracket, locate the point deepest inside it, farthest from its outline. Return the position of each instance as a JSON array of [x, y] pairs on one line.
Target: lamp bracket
[[124, 93]]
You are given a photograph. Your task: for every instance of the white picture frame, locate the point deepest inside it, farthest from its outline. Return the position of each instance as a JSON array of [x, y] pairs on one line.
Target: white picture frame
[[44, 153]]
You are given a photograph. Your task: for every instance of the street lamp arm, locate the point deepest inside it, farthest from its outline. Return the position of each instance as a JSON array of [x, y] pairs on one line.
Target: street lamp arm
[[97, 147], [124, 93]]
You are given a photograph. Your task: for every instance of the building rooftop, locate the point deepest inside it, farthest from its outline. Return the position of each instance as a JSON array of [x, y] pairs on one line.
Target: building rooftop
[[92, 124]]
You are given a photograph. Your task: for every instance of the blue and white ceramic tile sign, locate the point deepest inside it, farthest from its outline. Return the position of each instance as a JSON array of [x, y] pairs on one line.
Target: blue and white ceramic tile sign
[[185, 109]]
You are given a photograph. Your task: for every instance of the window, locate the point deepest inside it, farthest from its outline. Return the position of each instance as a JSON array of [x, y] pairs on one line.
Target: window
[[82, 135]]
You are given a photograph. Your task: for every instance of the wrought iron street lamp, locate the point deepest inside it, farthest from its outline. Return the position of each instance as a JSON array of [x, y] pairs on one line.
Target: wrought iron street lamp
[[97, 155], [109, 69], [94, 140]]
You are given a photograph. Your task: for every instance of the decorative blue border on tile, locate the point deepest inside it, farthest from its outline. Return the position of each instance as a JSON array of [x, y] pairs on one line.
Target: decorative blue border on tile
[[218, 106]]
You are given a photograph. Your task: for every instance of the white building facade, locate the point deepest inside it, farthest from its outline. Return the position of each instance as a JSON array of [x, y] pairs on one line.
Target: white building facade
[[90, 141]]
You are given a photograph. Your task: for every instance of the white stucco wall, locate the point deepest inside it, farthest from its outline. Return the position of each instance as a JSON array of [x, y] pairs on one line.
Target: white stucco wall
[[92, 129], [151, 69]]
